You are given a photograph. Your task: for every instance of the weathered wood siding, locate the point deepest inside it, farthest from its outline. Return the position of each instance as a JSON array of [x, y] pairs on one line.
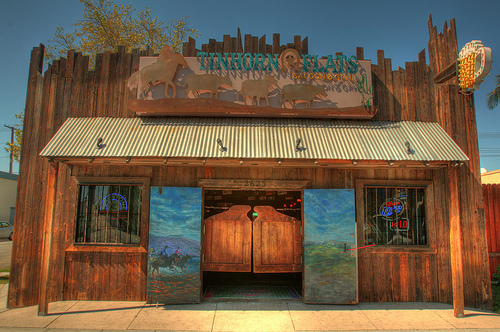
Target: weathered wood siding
[[68, 89], [491, 196]]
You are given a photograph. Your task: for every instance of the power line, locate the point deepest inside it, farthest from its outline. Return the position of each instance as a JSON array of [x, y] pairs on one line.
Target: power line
[[489, 135]]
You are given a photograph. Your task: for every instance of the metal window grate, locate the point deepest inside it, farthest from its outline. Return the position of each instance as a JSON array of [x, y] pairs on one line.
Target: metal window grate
[[395, 216], [109, 214]]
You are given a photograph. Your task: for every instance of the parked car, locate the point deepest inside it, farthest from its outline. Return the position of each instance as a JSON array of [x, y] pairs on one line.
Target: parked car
[[6, 230]]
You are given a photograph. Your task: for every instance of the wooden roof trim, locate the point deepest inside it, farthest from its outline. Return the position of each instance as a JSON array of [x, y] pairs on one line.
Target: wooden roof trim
[[244, 162]]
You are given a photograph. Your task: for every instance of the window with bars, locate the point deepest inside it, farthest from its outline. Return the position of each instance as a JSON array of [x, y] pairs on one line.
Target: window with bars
[[109, 214], [395, 215]]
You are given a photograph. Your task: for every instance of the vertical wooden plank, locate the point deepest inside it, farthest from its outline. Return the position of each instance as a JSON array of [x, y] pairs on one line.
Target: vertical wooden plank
[[21, 290], [255, 44], [360, 53], [248, 43], [239, 42], [122, 67], [192, 47], [43, 301], [490, 226], [262, 45], [297, 43], [226, 39], [219, 47], [211, 45], [276, 43], [305, 46], [390, 89], [432, 46], [395, 278], [495, 218], [402, 95], [102, 69], [456, 251], [411, 113], [111, 89], [233, 41]]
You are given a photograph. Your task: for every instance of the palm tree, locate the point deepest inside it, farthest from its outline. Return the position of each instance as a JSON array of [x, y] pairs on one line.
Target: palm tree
[[494, 96]]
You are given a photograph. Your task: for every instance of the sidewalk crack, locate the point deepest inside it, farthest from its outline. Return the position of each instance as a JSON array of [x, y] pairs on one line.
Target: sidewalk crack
[[133, 319]]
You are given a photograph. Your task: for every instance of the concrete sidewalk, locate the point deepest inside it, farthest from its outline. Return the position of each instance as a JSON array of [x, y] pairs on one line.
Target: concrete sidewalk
[[243, 316]]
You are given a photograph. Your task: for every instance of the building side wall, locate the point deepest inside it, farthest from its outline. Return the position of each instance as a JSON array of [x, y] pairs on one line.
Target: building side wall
[[491, 177], [491, 196], [7, 197]]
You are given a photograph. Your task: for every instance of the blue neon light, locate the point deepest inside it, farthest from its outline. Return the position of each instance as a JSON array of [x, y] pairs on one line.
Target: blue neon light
[[114, 199]]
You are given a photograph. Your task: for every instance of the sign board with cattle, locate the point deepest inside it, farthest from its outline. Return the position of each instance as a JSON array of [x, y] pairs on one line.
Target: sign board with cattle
[[253, 84]]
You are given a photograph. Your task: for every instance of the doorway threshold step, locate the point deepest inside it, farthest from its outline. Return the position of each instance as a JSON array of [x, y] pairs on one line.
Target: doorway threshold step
[[251, 292]]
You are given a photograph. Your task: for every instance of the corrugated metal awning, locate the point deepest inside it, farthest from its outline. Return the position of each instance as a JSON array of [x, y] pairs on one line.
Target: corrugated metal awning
[[253, 138]]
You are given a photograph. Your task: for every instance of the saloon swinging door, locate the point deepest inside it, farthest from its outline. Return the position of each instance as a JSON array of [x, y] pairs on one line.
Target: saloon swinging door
[[252, 231]]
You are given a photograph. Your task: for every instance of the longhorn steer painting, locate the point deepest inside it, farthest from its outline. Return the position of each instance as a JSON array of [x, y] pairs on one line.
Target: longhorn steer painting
[[305, 92], [257, 89], [206, 83], [161, 71], [174, 245]]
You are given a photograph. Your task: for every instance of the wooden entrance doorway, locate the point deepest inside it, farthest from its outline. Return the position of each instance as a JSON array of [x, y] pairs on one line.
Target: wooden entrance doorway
[[252, 231]]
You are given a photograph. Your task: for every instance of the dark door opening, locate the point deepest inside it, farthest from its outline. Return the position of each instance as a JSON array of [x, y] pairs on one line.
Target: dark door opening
[[252, 238]]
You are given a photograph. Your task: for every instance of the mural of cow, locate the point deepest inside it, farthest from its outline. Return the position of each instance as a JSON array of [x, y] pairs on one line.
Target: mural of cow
[[305, 92], [257, 89], [205, 83], [161, 71]]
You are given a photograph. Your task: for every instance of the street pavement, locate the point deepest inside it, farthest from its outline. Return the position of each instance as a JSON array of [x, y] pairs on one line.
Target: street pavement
[[243, 316]]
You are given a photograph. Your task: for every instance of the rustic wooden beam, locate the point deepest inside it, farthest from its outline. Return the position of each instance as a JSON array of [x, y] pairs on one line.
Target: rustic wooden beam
[[305, 46], [211, 45], [192, 46], [276, 43], [457, 272], [251, 162], [262, 44], [211, 107], [239, 42], [248, 43], [253, 184], [446, 74], [360, 53], [297, 41], [226, 40], [43, 300], [255, 44]]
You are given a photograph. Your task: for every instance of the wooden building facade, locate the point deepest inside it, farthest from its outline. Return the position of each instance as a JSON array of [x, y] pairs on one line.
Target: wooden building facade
[[448, 263], [491, 197]]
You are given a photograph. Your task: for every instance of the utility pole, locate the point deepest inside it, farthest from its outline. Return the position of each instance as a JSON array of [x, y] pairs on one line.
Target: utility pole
[[11, 147]]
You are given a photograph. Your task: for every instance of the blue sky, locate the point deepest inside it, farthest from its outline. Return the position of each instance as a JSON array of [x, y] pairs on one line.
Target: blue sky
[[398, 27]]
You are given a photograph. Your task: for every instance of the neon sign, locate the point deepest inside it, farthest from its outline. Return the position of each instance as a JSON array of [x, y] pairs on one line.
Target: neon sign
[[113, 198], [392, 210], [474, 64]]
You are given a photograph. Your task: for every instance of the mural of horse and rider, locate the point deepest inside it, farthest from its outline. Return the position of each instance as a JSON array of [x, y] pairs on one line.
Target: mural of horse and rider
[[174, 245], [169, 264]]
